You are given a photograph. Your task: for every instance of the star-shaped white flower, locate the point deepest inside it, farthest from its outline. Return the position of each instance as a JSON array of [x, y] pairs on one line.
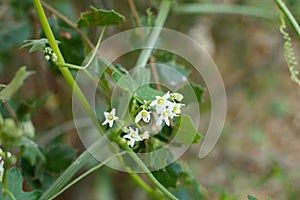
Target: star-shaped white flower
[[110, 117], [176, 108], [143, 114], [133, 136], [176, 96], [165, 115], [161, 102]]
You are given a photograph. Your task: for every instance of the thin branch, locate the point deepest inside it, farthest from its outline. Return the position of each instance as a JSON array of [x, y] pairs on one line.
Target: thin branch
[[11, 112], [134, 12], [70, 23], [152, 59], [280, 4]]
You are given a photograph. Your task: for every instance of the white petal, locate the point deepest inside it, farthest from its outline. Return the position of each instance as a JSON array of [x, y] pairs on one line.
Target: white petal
[[111, 123], [113, 111], [105, 122], [153, 103], [138, 117]]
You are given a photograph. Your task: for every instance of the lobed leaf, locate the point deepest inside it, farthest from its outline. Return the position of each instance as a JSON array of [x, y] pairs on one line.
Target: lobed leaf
[[15, 84], [14, 186], [99, 17]]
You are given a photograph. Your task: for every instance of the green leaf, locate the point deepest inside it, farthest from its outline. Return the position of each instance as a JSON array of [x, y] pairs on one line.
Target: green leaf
[[174, 169], [124, 81], [147, 93], [99, 17], [165, 178], [186, 132], [15, 84], [27, 108], [251, 197], [36, 45], [14, 186], [59, 157], [192, 90], [31, 152]]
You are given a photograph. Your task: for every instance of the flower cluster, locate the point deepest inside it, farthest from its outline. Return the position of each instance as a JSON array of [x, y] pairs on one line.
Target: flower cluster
[[50, 55], [6, 155], [166, 107]]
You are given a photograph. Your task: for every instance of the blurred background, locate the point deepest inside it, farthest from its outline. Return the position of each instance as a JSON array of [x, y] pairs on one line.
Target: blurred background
[[258, 152]]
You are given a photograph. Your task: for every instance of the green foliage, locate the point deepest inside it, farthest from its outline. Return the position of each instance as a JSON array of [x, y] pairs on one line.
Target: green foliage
[[36, 45], [14, 187], [99, 17], [192, 90], [251, 197], [15, 84], [58, 157], [185, 131]]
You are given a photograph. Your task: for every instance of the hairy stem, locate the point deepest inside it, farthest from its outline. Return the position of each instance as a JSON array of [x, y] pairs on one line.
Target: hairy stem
[[289, 16], [65, 71]]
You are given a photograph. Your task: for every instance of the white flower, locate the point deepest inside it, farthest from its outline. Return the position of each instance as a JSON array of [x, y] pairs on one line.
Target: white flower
[[176, 108], [1, 170], [165, 115], [145, 135], [176, 96], [133, 136], [161, 102], [143, 114], [110, 117]]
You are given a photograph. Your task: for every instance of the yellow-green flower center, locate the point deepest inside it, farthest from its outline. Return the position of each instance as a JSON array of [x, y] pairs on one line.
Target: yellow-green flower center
[[110, 117], [144, 114], [160, 101], [166, 114]]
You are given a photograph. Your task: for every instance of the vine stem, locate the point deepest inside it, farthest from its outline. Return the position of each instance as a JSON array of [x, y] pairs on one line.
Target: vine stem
[[65, 71], [281, 5], [85, 174], [164, 9], [164, 190], [86, 156]]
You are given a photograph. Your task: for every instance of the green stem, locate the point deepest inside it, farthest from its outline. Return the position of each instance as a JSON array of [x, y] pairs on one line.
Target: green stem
[[10, 195], [84, 158], [143, 185], [164, 190], [164, 9], [65, 71], [289, 16], [85, 174], [197, 8]]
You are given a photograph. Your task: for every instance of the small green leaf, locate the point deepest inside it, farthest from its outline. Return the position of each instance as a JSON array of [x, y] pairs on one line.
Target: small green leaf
[[124, 81], [165, 178], [193, 91], [15, 84], [27, 108], [186, 132], [174, 169], [251, 197], [99, 17], [36, 45], [30, 151], [147, 93], [59, 157], [14, 186]]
